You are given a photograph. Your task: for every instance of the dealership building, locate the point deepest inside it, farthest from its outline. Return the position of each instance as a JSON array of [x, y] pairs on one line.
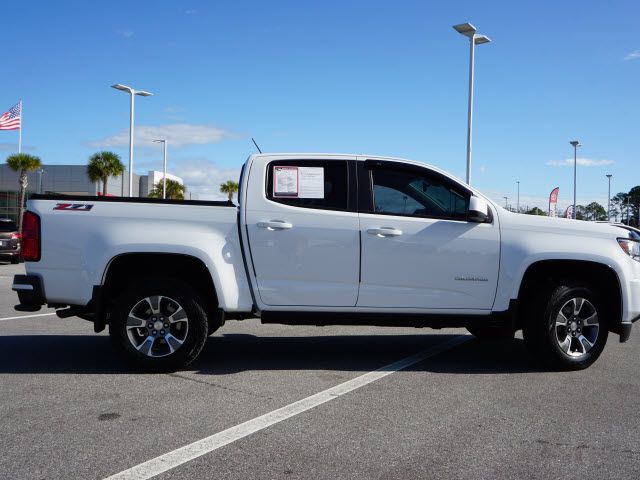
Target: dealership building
[[70, 180]]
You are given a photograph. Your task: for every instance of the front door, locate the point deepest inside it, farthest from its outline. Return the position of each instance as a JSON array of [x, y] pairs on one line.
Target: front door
[[418, 249]]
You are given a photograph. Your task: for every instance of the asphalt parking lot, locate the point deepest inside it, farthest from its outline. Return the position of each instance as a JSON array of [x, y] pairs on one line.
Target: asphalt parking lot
[[70, 409]]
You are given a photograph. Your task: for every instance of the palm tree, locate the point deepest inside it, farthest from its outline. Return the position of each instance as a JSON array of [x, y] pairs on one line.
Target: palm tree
[[175, 190], [229, 187], [23, 163], [103, 165]]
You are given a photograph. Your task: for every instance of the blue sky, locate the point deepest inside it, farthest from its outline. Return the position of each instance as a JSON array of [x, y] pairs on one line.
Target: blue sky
[[387, 78]]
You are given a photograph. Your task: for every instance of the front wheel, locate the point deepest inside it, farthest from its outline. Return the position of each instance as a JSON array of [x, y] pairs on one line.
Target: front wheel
[[566, 328], [158, 325]]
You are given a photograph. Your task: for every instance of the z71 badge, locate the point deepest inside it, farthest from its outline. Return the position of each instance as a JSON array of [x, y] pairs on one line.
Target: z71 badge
[[80, 207]]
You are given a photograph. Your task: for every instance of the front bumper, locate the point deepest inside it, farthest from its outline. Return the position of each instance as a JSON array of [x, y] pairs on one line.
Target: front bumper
[[30, 293]]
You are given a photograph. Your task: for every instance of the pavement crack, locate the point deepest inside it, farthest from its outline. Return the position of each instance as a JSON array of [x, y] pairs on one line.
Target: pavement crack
[[216, 385], [583, 446]]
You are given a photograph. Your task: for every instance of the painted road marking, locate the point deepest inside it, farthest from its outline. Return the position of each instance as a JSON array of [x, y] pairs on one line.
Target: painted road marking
[[27, 316], [196, 449]]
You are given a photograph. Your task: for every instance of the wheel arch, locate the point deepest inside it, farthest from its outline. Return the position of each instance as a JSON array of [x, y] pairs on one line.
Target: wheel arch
[[125, 268], [602, 277]]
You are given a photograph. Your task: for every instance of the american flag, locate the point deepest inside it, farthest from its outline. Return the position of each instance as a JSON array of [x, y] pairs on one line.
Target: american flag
[[10, 120]]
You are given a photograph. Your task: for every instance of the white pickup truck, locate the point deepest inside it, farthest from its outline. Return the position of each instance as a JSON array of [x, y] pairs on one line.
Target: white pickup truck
[[327, 240]]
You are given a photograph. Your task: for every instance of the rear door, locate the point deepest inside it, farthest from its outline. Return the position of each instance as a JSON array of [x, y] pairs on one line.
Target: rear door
[[418, 249], [303, 232]]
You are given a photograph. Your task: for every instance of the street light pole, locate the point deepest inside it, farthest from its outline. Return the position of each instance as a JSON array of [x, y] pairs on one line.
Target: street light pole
[[164, 168], [609, 198], [506, 200], [41, 172], [575, 144], [518, 201], [132, 94], [469, 31]]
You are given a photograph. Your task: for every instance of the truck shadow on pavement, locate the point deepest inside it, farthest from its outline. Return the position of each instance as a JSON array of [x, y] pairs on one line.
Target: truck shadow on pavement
[[228, 354]]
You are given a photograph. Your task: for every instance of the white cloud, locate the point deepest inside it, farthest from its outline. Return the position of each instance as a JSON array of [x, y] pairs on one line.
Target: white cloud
[[203, 177], [635, 55], [190, 11], [583, 162], [177, 135], [125, 33]]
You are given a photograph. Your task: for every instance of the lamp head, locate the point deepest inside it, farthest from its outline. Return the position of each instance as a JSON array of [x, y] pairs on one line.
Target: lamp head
[[465, 29], [142, 93], [575, 143], [480, 39], [124, 88]]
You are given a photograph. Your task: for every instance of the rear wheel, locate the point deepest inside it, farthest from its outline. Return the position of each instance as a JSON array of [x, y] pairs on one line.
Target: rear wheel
[[158, 325], [15, 259], [566, 327]]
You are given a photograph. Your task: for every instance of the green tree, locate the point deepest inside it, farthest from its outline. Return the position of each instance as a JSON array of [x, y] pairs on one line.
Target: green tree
[[536, 211], [595, 211], [581, 213], [23, 163], [103, 165], [175, 190], [634, 205], [229, 187]]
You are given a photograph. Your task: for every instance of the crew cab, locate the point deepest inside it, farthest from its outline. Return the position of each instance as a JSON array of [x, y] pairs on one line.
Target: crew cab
[[324, 240]]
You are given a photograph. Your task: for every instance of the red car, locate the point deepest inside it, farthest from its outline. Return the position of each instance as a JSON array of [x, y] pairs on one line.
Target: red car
[[10, 245]]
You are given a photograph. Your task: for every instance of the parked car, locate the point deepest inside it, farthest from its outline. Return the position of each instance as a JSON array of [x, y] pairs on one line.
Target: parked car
[[10, 245], [329, 240]]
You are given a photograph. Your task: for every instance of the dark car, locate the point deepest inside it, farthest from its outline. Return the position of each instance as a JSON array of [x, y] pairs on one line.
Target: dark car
[[10, 245]]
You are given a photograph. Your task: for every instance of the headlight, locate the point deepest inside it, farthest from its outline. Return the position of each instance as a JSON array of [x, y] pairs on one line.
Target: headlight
[[630, 247]]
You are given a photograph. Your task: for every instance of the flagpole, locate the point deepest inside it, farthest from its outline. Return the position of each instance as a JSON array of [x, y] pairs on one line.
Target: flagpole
[[20, 131]]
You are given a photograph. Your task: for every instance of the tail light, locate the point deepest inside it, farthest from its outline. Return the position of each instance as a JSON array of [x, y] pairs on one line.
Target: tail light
[[16, 236], [31, 237]]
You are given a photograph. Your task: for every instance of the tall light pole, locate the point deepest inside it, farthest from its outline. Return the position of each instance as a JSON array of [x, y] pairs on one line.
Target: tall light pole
[[469, 31], [41, 173], [609, 198], [164, 168], [575, 144], [132, 94], [518, 201]]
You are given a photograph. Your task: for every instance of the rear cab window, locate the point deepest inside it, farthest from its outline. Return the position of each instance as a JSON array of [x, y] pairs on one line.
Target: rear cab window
[[318, 184]]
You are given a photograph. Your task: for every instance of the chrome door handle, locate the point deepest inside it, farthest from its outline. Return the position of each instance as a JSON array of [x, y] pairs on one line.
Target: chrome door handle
[[385, 232], [275, 225]]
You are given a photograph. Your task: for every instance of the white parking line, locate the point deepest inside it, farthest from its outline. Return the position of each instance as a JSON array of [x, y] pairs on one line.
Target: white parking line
[[194, 450], [27, 316]]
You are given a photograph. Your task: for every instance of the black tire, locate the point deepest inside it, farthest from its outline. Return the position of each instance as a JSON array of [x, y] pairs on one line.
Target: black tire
[[15, 260], [164, 354], [492, 333], [542, 334]]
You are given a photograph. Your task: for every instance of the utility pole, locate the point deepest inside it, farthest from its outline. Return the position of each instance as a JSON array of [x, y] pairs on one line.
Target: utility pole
[[575, 144], [609, 199]]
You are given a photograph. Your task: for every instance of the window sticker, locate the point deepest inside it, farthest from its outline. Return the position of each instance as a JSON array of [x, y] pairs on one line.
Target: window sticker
[[311, 182], [285, 181]]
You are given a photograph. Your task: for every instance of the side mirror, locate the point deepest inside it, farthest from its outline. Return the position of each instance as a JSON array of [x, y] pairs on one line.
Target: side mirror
[[478, 210]]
